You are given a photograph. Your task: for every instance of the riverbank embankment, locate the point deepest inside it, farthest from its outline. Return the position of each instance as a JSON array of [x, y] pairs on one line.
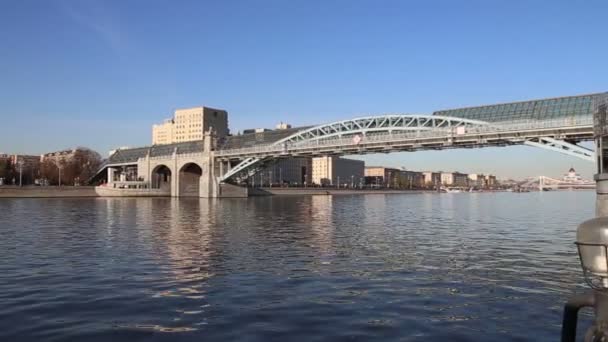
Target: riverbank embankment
[[47, 191], [90, 191], [325, 191]]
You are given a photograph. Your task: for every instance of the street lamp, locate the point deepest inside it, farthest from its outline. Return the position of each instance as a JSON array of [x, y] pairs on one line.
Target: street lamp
[[20, 163], [270, 177], [592, 243], [59, 167]]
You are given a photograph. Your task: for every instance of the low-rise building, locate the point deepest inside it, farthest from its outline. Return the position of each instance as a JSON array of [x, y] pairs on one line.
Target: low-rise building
[[454, 179], [255, 130], [288, 171], [380, 176], [491, 181], [26, 161], [477, 180], [59, 156], [337, 171], [411, 179], [283, 125], [432, 179]]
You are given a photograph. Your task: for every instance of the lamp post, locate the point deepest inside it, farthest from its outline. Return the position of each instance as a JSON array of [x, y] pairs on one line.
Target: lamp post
[[20, 163], [59, 167], [592, 243]]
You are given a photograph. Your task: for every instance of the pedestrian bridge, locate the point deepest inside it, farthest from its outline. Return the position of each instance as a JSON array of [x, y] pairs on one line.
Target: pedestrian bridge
[[201, 167], [409, 133]]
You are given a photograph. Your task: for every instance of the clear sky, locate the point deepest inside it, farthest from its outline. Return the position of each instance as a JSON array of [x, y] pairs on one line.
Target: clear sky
[[100, 73]]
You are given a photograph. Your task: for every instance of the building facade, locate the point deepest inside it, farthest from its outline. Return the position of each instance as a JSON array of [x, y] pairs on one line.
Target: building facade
[[491, 181], [337, 171], [289, 171], [59, 156], [432, 179], [411, 179], [454, 179], [28, 162], [379, 176], [477, 180], [190, 124]]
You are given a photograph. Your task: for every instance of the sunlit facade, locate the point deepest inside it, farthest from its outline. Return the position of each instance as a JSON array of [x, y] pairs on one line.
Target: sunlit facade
[[190, 124]]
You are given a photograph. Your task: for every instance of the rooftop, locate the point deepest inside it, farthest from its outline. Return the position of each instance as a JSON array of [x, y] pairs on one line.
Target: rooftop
[[236, 141]]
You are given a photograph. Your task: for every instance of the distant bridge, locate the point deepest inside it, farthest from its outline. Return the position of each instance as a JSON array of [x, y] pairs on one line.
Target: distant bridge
[[547, 183]]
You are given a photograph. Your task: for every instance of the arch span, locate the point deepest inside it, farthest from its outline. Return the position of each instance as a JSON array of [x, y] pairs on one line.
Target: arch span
[[189, 180], [379, 124]]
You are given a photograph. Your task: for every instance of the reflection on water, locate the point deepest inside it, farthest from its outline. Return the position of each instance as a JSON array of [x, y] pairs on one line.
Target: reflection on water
[[384, 267]]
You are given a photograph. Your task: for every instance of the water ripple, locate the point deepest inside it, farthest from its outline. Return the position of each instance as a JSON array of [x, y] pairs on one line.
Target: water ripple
[[458, 267]]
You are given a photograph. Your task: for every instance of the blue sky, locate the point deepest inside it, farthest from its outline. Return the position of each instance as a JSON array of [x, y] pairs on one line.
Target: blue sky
[[100, 73]]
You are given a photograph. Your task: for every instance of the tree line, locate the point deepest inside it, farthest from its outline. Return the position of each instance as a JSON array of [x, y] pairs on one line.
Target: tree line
[[74, 169]]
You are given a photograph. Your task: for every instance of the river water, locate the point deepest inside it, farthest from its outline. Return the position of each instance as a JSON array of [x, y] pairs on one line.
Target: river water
[[419, 267]]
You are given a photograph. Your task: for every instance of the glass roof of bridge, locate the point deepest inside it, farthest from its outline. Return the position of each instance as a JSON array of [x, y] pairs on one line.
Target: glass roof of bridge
[[545, 109]]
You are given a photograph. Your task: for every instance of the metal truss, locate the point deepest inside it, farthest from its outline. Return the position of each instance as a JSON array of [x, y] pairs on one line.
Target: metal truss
[[373, 124], [562, 147], [363, 126], [241, 167]]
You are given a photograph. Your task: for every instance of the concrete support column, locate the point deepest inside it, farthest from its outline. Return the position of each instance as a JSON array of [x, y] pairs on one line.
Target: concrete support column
[[209, 185], [111, 174], [174, 175]]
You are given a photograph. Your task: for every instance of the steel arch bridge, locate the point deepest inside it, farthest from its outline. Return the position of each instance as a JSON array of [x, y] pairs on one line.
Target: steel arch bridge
[[373, 124], [393, 133]]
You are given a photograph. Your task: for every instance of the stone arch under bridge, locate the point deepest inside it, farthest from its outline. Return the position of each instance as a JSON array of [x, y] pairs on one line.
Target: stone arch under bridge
[[161, 177], [190, 180]]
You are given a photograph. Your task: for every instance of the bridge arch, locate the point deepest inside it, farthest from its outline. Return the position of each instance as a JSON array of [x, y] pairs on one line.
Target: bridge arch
[[189, 179], [161, 177], [380, 124]]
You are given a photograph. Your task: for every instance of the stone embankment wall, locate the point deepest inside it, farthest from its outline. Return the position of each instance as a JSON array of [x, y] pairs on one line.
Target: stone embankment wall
[[233, 191], [322, 191], [44, 191]]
